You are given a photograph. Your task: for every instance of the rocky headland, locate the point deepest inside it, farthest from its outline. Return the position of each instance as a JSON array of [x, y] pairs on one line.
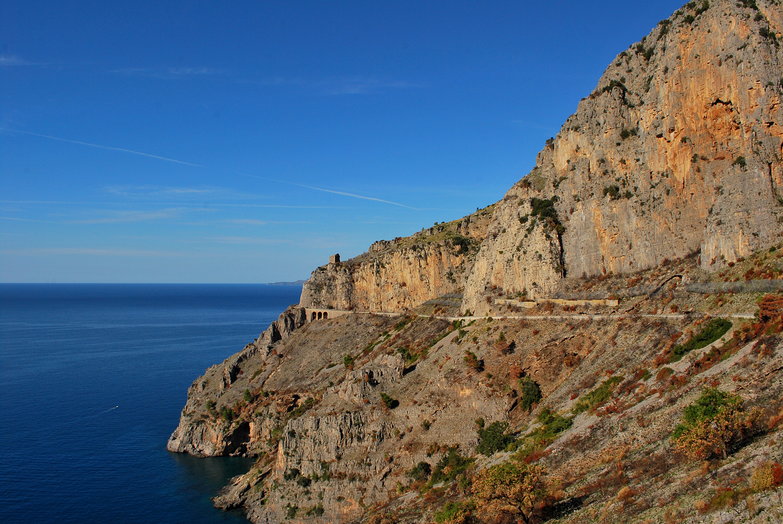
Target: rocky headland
[[601, 345]]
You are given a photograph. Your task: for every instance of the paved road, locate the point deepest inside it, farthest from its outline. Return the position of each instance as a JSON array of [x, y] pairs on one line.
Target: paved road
[[578, 316]]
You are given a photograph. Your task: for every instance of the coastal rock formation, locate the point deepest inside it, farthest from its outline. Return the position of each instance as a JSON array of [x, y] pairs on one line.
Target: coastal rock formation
[[662, 196], [677, 151], [205, 436], [402, 273]]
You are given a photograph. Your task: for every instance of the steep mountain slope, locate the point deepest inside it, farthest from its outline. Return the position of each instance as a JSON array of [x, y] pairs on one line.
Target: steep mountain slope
[[661, 197], [677, 151]]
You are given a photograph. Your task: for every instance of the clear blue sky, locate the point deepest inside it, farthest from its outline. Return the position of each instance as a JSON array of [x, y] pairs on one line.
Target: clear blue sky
[[195, 141]]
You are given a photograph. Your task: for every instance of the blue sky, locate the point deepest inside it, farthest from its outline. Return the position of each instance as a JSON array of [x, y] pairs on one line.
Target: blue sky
[[246, 141]]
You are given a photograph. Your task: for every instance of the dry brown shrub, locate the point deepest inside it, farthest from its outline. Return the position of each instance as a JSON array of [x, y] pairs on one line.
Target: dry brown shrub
[[766, 476], [663, 374], [775, 420], [717, 437], [702, 506], [508, 490], [626, 494]]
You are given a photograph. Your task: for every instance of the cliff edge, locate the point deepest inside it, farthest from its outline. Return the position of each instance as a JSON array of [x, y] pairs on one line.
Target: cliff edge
[[604, 344]]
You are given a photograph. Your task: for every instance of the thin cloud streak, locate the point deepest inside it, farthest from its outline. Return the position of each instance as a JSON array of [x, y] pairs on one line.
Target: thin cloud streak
[[93, 252], [354, 195], [332, 191], [348, 85], [116, 217], [108, 148], [191, 164], [249, 240], [248, 221], [167, 72], [185, 205], [13, 61], [158, 191], [17, 219]]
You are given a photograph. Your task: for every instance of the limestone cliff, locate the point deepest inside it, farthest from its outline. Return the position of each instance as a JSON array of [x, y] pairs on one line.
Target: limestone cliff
[[406, 417], [205, 436], [678, 150], [402, 273]]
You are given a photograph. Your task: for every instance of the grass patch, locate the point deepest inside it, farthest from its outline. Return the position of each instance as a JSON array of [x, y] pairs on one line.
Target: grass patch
[[597, 396], [709, 333], [552, 424]]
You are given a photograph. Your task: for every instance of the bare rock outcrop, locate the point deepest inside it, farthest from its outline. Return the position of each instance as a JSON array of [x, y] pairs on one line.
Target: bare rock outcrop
[[402, 273], [212, 436], [392, 418], [678, 150]]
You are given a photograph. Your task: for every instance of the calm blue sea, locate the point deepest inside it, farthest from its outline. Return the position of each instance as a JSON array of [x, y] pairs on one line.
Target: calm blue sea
[[92, 381]]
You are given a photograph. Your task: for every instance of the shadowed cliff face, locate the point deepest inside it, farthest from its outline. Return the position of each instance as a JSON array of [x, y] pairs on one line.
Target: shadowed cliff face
[[678, 150]]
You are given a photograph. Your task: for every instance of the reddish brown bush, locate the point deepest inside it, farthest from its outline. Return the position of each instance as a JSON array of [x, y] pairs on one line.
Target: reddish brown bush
[[720, 435], [766, 476]]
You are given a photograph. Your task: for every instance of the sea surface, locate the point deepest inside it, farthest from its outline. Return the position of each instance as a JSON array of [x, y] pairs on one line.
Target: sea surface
[[92, 381]]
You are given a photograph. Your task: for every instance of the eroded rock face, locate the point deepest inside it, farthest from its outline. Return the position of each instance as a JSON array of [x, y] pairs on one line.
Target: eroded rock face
[[212, 436], [402, 273], [678, 150]]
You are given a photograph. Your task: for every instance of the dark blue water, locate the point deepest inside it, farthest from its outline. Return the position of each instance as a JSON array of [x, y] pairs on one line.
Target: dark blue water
[[92, 381]]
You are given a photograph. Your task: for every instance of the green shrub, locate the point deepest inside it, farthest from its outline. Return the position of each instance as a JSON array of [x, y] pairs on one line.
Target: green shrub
[[597, 396], [463, 244], [531, 393], [292, 474], [615, 83], [473, 361], [420, 471], [454, 511], [449, 467], [227, 414], [291, 510], [709, 333], [612, 191], [389, 402], [493, 438], [628, 133], [315, 511], [302, 408], [545, 210], [510, 488], [715, 426], [740, 161], [348, 361], [707, 406], [552, 424], [407, 356]]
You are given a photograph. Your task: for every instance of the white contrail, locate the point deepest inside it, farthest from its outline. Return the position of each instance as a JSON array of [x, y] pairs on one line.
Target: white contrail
[[191, 164], [354, 195], [109, 148]]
